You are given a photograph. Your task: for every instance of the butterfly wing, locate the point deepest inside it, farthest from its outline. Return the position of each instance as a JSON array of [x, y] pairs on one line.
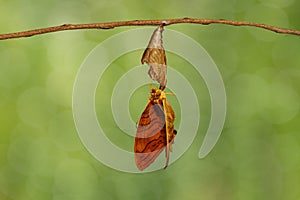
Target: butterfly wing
[[170, 131], [150, 137], [170, 121]]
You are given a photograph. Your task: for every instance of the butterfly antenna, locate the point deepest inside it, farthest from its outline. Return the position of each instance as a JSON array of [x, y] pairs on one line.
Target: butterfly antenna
[[150, 86]]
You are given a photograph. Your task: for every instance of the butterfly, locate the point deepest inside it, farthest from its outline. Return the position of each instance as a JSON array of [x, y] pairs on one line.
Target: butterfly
[[155, 131], [154, 55]]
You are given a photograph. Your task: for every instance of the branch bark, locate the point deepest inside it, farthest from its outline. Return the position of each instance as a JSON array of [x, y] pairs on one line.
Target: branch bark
[[110, 25]]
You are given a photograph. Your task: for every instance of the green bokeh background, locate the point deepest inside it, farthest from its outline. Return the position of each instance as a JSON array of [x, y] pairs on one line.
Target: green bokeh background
[[257, 156]]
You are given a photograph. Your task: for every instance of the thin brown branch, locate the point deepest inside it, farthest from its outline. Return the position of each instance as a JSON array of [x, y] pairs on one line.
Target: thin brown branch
[[110, 25]]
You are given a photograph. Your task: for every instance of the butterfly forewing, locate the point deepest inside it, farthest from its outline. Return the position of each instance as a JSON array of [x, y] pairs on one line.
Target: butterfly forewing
[[150, 135]]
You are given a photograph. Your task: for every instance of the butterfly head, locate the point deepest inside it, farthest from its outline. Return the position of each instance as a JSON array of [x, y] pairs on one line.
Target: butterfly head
[[156, 94]]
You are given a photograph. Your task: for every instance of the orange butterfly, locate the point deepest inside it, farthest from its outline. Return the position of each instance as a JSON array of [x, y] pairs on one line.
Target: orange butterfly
[[155, 130]]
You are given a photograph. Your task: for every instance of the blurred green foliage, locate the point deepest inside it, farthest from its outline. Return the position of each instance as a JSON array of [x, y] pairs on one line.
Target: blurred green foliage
[[257, 156]]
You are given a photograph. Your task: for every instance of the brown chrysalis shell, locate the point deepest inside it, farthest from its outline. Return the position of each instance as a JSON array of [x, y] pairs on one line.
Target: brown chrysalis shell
[[155, 57], [155, 130]]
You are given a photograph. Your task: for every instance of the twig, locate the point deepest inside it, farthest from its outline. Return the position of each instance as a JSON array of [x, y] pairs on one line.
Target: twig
[[110, 25]]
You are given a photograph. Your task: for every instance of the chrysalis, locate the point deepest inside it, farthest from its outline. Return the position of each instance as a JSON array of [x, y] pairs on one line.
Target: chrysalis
[[155, 57], [155, 130]]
